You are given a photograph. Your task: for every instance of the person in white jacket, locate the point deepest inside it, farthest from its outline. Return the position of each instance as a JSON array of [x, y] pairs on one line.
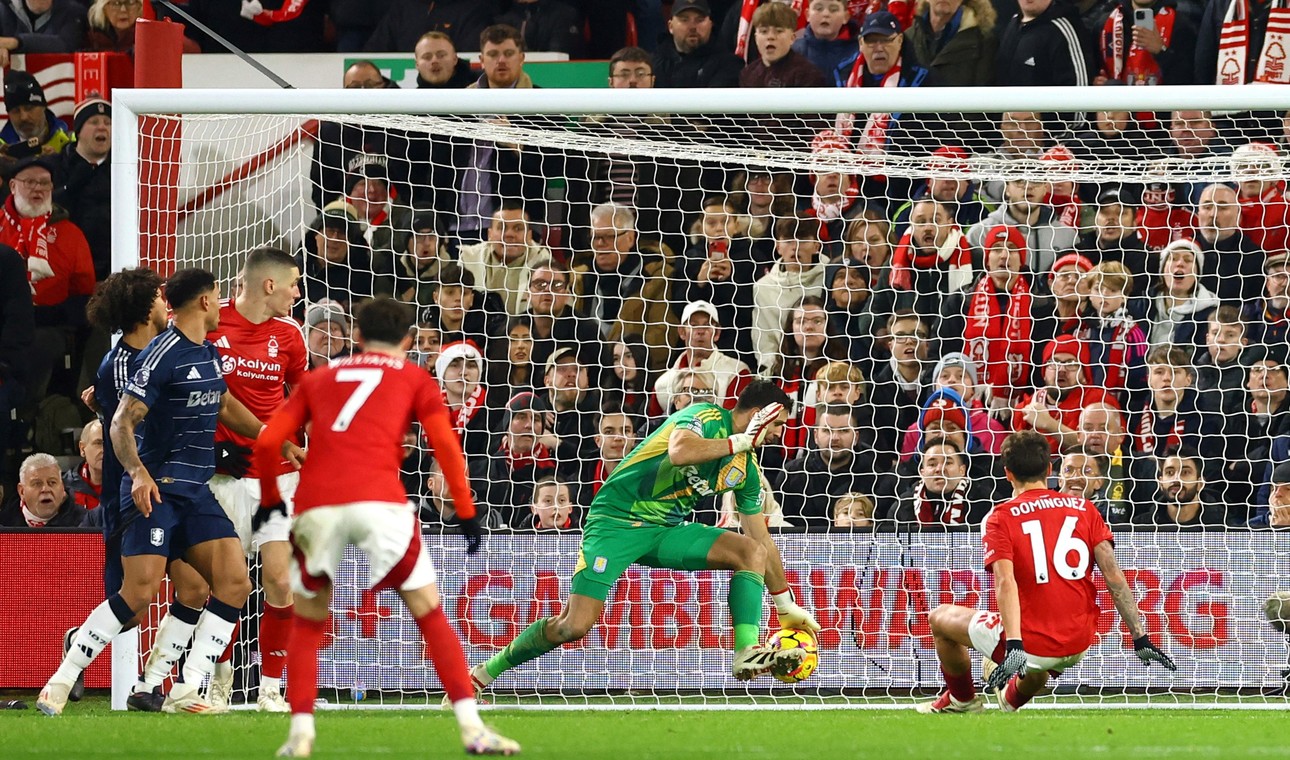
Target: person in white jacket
[[798, 273], [700, 330], [1181, 306]]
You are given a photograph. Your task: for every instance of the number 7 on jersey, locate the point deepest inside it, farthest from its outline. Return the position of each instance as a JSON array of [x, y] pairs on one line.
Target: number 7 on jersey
[[367, 380]]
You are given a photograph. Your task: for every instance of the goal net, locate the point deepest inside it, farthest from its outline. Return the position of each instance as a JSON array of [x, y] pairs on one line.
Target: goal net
[[1105, 265]]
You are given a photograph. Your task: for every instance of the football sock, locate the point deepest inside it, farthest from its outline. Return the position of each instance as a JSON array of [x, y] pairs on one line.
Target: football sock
[[212, 635], [529, 645], [227, 654], [1013, 694], [275, 629], [173, 636], [445, 653], [746, 591], [302, 661], [102, 625], [960, 685]]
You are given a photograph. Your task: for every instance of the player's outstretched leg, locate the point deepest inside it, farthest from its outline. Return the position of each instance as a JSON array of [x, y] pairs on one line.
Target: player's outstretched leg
[[103, 624], [949, 625], [308, 626], [174, 635], [450, 665], [221, 563], [580, 613]]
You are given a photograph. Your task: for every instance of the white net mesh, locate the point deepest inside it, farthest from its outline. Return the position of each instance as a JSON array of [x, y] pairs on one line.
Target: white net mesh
[[920, 284]]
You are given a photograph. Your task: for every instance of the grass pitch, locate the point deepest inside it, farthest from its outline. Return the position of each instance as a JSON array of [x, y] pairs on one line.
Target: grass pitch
[[90, 730]]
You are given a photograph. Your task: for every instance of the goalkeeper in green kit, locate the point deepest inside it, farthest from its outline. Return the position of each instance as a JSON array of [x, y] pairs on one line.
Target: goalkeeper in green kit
[[639, 515]]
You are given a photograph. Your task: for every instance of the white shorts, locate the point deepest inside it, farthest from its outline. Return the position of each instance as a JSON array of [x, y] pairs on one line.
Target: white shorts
[[986, 632], [389, 534], [240, 498]]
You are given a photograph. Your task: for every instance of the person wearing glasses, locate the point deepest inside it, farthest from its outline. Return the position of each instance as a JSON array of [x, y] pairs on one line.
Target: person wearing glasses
[[111, 27], [626, 288], [899, 384], [1054, 408]]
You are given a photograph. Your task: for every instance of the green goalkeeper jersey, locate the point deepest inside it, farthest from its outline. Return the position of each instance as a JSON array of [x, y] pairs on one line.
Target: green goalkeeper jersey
[[647, 487]]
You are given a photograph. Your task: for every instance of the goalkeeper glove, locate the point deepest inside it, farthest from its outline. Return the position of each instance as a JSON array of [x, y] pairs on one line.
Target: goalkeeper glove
[[232, 459], [758, 429], [1148, 653], [1014, 664], [266, 511], [474, 533], [790, 614]]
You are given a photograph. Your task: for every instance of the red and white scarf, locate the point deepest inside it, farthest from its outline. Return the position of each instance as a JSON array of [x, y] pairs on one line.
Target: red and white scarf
[[1116, 368], [1000, 342], [873, 137], [462, 415], [1147, 439], [539, 456], [1137, 66], [951, 510], [290, 11], [746, 10], [32, 520], [834, 210], [1234, 43], [955, 256], [29, 237]]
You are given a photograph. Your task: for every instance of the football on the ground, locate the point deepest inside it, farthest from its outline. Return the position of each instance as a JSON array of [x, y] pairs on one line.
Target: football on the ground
[[794, 638]]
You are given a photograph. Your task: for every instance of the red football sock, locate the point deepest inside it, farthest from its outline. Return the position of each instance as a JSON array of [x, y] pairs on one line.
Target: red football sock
[[302, 661], [445, 653], [228, 650], [960, 686], [1012, 694], [275, 631]]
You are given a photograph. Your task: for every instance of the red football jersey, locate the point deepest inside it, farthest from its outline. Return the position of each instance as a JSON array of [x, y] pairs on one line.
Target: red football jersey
[[1049, 537], [358, 411], [258, 361]]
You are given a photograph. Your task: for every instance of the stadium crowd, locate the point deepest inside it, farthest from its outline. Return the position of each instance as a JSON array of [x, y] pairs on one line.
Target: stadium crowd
[[1141, 326]]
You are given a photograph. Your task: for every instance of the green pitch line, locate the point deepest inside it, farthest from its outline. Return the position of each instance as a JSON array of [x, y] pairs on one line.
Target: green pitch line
[[89, 730]]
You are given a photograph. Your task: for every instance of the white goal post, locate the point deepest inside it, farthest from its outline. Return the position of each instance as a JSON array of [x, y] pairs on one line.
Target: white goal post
[[664, 639]]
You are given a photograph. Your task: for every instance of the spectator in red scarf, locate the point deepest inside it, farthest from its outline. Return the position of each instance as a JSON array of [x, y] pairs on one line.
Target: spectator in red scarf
[[948, 182], [993, 320], [503, 480], [834, 195], [932, 259], [1170, 419], [1063, 194], [1115, 339], [943, 494], [778, 65], [808, 345], [1054, 408], [85, 481], [460, 369], [553, 507], [1061, 313], [42, 501], [1147, 53], [60, 268], [1265, 211], [615, 437]]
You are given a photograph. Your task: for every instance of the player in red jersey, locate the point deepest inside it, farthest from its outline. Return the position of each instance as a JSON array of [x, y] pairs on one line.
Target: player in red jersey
[[262, 352], [359, 409], [1040, 545]]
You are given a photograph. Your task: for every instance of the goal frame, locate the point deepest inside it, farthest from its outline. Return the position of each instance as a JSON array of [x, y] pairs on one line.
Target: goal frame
[[131, 106]]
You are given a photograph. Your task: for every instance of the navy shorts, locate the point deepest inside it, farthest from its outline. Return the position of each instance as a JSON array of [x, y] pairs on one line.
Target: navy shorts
[[179, 522]]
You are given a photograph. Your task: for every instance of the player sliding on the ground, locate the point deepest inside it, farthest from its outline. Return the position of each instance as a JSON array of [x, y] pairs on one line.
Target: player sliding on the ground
[[639, 516], [350, 494], [1041, 545], [173, 400]]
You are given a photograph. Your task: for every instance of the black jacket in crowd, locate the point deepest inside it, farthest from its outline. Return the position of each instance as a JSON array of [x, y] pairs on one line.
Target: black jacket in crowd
[[708, 66], [85, 190], [17, 319], [1051, 50], [548, 25], [407, 20], [811, 488]]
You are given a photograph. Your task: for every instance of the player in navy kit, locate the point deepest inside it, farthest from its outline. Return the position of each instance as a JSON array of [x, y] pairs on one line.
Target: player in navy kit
[[173, 402]]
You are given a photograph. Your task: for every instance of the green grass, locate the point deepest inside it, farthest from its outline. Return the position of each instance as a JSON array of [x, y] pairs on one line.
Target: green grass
[[90, 730]]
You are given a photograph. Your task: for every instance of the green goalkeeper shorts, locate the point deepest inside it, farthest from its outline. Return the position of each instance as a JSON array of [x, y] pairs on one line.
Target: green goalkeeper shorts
[[609, 545]]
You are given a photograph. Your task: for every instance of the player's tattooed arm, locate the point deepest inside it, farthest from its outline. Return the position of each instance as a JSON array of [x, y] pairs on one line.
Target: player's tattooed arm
[[128, 415], [1121, 594], [238, 418]]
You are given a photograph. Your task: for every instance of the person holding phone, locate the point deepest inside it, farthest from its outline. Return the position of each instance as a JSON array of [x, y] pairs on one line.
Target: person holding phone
[[1152, 45]]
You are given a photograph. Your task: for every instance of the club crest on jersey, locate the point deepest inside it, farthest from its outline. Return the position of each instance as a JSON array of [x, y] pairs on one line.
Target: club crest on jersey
[[157, 536], [273, 347], [733, 476]]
